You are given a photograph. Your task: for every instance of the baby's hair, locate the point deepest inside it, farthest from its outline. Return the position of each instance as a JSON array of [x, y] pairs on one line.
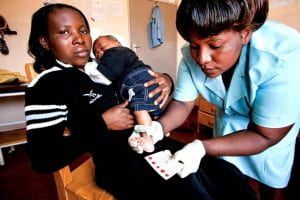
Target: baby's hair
[[44, 59], [208, 18], [109, 37]]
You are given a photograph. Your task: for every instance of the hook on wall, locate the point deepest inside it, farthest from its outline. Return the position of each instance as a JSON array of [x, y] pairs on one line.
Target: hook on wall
[[172, 2], [155, 2]]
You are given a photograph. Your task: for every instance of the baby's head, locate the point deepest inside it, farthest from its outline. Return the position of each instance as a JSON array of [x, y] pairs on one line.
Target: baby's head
[[102, 43], [59, 32]]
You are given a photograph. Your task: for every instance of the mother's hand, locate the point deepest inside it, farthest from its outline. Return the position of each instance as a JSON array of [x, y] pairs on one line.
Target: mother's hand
[[118, 117], [165, 83]]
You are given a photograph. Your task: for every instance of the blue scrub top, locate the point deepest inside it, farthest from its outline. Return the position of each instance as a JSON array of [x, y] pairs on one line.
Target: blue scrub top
[[265, 89]]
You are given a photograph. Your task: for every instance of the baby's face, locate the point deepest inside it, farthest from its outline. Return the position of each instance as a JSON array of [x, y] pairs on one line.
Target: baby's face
[[102, 45]]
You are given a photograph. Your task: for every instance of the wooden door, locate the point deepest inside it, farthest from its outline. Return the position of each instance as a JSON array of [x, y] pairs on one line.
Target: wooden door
[[161, 58]]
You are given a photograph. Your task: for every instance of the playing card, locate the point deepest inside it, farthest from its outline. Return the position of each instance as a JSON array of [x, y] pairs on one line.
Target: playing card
[[162, 163]]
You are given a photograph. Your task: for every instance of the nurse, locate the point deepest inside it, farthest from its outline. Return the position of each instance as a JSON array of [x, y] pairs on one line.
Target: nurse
[[249, 68]]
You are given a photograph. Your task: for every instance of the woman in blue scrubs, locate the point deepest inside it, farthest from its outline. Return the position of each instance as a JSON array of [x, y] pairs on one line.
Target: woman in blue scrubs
[[249, 68]]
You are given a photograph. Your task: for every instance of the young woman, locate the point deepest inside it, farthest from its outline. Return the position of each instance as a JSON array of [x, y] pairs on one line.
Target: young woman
[[250, 70]]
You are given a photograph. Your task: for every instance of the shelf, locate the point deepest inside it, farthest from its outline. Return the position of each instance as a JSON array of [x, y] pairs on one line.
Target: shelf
[[11, 90]]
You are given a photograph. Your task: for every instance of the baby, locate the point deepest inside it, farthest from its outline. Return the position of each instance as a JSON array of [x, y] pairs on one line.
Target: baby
[[122, 68]]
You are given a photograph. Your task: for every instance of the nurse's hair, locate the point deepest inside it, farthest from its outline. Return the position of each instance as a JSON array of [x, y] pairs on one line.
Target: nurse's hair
[[210, 17]]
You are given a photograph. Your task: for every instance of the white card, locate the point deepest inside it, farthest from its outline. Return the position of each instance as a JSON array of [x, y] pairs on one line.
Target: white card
[[162, 163]]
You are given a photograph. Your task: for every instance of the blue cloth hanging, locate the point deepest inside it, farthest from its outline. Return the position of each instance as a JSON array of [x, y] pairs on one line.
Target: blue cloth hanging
[[156, 28]]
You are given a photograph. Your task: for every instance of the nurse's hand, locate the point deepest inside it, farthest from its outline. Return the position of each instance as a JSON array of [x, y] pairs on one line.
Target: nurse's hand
[[118, 117], [165, 85], [190, 157]]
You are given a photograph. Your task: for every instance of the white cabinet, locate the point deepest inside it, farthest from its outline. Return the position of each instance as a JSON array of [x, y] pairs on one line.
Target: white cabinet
[[12, 117]]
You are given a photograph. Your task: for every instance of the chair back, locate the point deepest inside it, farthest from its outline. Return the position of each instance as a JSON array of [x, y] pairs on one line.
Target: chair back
[[30, 73]]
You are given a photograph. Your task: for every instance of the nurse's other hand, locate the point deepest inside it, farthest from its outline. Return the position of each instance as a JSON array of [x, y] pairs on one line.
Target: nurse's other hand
[[118, 117], [190, 157], [165, 84]]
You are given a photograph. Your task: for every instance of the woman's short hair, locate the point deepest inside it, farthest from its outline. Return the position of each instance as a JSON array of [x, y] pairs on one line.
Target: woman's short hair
[[44, 59], [210, 17]]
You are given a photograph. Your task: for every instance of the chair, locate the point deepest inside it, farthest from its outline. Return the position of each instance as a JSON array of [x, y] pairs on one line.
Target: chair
[[206, 114], [30, 73], [79, 184]]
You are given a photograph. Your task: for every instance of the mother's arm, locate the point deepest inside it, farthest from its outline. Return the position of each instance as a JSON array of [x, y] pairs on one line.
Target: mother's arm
[[165, 87]]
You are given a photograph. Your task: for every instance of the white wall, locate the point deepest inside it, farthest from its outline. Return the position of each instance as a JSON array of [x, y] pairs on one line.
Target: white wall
[[286, 11]]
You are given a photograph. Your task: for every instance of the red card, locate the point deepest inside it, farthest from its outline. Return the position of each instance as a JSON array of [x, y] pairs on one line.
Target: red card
[[162, 163]]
